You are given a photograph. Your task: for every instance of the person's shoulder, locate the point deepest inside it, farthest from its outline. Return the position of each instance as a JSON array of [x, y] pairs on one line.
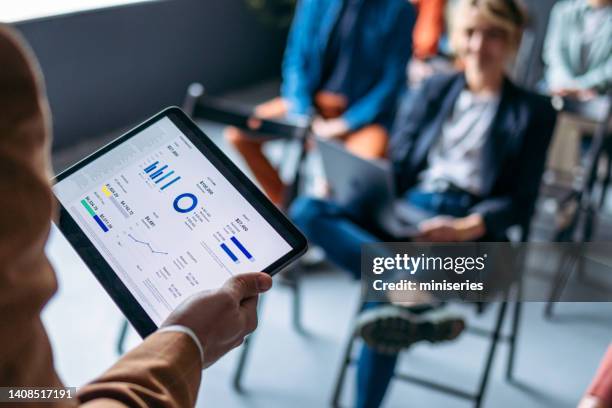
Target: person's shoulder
[[537, 107], [568, 8], [535, 100]]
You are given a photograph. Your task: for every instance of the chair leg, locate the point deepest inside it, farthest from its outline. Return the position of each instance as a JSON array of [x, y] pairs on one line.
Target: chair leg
[[120, 347], [516, 320], [565, 270], [244, 353], [297, 305], [346, 361], [491, 354], [606, 182]]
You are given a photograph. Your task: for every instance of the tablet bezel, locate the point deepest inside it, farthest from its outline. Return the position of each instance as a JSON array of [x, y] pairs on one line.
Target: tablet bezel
[[103, 271]]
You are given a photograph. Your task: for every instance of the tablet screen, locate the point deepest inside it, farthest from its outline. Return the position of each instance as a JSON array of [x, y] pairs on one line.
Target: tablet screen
[[166, 219]]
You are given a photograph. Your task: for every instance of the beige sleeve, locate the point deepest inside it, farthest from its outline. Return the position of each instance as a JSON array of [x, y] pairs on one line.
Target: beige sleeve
[[165, 369]]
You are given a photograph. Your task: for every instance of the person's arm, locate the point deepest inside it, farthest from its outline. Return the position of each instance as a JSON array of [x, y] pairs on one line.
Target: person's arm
[[558, 73], [164, 371], [26, 278], [428, 28], [383, 95], [295, 88], [599, 78]]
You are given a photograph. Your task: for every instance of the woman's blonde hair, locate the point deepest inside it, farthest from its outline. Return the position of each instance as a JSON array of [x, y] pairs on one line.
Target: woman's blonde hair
[[509, 15]]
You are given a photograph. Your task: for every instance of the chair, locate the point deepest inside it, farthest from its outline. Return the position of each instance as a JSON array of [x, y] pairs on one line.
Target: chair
[[579, 223], [494, 335]]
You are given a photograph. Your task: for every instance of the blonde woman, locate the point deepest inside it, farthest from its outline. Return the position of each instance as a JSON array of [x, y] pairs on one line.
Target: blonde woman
[[471, 153]]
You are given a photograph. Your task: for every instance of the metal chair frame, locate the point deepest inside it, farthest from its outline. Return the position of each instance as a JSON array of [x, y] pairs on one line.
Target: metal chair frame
[[581, 227], [495, 335]]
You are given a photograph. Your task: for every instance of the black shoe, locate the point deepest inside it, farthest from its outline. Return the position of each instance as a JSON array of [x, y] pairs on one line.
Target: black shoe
[[390, 329]]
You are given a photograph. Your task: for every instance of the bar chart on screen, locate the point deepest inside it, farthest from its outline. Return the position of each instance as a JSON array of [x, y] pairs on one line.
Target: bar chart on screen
[[161, 175]]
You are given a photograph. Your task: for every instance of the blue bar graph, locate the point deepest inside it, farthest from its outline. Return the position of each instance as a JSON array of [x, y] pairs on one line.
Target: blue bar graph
[[165, 177], [229, 253], [171, 182], [100, 223], [151, 167], [159, 172], [241, 248]]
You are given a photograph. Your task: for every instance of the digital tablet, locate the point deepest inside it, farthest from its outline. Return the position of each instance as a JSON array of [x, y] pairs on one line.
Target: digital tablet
[[161, 213]]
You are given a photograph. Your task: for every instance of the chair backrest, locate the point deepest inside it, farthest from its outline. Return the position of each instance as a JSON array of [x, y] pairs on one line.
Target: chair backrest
[[194, 92], [598, 110]]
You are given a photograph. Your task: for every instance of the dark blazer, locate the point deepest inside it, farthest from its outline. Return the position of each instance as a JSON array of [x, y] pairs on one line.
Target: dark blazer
[[514, 152]]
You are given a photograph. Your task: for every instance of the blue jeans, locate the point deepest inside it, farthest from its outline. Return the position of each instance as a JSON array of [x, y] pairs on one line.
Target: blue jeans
[[327, 225]]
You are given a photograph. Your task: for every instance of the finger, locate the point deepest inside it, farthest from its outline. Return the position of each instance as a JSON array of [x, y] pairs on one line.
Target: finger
[[249, 315], [250, 303], [237, 343], [247, 285], [254, 123]]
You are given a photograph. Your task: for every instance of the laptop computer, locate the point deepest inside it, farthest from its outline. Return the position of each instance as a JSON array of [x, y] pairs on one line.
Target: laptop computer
[[366, 190]]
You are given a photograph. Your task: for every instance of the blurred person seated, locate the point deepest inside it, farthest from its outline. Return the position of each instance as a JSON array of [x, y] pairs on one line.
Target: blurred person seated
[[165, 370], [345, 63], [578, 48], [599, 394], [472, 151]]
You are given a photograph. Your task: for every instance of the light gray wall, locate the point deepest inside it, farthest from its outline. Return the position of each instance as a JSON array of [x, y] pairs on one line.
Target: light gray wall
[[109, 68]]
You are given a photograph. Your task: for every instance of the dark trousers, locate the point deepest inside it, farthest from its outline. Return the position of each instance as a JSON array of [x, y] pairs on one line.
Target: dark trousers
[[329, 226]]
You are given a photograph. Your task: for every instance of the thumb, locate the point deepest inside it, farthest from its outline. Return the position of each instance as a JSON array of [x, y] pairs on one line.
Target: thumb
[[247, 285]]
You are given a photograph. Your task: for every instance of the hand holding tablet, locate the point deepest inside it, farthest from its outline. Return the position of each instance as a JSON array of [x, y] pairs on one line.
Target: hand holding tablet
[[221, 319], [161, 214]]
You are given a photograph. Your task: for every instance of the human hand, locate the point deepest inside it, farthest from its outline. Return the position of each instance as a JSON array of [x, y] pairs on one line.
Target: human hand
[[329, 128], [438, 229], [451, 229], [274, 108], [580, 94], [419, 70], [222, 318]]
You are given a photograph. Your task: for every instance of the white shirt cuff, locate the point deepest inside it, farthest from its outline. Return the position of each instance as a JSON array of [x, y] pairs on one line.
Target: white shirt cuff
[[190, 333]]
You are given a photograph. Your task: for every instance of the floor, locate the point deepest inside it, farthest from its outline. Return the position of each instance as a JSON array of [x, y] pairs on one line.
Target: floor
[[555, 360]]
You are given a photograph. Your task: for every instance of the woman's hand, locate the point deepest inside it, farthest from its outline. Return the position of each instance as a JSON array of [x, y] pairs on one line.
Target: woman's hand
[[451, 229], [329, 128]]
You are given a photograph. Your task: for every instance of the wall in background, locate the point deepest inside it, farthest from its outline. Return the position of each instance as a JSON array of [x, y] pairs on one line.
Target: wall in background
[[108, 69]]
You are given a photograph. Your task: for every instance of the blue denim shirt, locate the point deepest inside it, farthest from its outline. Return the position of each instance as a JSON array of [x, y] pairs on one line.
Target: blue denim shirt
[[383, 48]]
